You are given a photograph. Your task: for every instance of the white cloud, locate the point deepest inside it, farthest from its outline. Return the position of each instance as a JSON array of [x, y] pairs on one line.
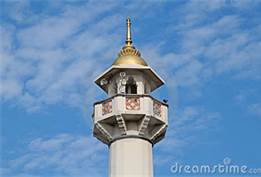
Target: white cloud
[[53, 58], [70, 155], [62, 155], [57, 56], [49, 33], [186, 127], [208, 51]]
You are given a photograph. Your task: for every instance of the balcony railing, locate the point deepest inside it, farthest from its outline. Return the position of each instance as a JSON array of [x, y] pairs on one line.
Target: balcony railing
[[130, 104]]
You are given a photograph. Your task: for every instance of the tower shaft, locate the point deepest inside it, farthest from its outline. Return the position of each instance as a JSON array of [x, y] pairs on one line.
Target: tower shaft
[[131, 157]]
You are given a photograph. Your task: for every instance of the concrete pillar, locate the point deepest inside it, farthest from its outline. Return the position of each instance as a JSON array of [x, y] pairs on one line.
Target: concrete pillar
[[131, 157]]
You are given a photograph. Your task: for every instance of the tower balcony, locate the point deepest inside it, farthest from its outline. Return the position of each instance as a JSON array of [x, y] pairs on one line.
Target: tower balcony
[[126, 115]]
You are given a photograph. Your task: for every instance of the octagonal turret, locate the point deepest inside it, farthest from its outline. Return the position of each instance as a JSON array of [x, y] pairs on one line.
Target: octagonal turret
[[129, 111]]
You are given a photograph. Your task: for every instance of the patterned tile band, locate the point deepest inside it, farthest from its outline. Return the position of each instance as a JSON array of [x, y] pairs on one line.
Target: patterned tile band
[[106, 107], [157, 108], [132, 103]]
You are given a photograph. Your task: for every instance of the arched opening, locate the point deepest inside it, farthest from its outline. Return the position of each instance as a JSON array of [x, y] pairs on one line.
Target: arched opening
[[131, 86]]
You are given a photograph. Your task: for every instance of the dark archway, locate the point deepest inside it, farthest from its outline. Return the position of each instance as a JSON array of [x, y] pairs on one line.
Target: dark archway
[[131, 86]]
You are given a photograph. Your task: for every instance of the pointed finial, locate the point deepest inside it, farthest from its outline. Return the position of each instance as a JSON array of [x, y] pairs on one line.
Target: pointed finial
[[128, 49], [128, 32]]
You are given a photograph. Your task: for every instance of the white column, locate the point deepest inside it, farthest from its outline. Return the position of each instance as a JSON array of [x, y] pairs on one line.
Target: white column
[[131, 157]]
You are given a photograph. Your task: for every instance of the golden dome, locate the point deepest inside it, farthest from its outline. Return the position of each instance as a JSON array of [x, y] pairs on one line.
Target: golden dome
[[129, 59], [129, 54]]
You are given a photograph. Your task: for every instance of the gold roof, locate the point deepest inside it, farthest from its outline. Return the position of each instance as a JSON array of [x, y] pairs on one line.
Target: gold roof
[[129, 54], [129, 59]]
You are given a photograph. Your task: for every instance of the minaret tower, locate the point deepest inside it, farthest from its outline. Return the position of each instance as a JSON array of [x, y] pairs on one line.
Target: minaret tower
[[130, 121]]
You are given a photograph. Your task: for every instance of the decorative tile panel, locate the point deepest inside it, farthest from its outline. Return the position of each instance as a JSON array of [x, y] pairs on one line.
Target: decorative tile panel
[[106, 107], [157, 108], [132, 103]]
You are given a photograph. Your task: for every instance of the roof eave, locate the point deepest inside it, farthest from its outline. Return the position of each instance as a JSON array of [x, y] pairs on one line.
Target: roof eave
[[110, 69]]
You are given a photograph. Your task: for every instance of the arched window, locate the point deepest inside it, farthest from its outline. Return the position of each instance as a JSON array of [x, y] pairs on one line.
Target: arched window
[[131, 87]]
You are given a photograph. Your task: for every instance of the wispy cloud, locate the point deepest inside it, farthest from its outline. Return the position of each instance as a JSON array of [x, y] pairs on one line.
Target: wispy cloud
[[54, 57], [220, 46], [62, 155], [187, 124], [51, 57], [57, 55]]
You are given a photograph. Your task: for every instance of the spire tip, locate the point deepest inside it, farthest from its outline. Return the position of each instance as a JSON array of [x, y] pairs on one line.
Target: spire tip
[[128, 32]]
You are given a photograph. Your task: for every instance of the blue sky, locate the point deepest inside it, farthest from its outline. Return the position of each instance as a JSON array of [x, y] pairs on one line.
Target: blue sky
[[208, 52]]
